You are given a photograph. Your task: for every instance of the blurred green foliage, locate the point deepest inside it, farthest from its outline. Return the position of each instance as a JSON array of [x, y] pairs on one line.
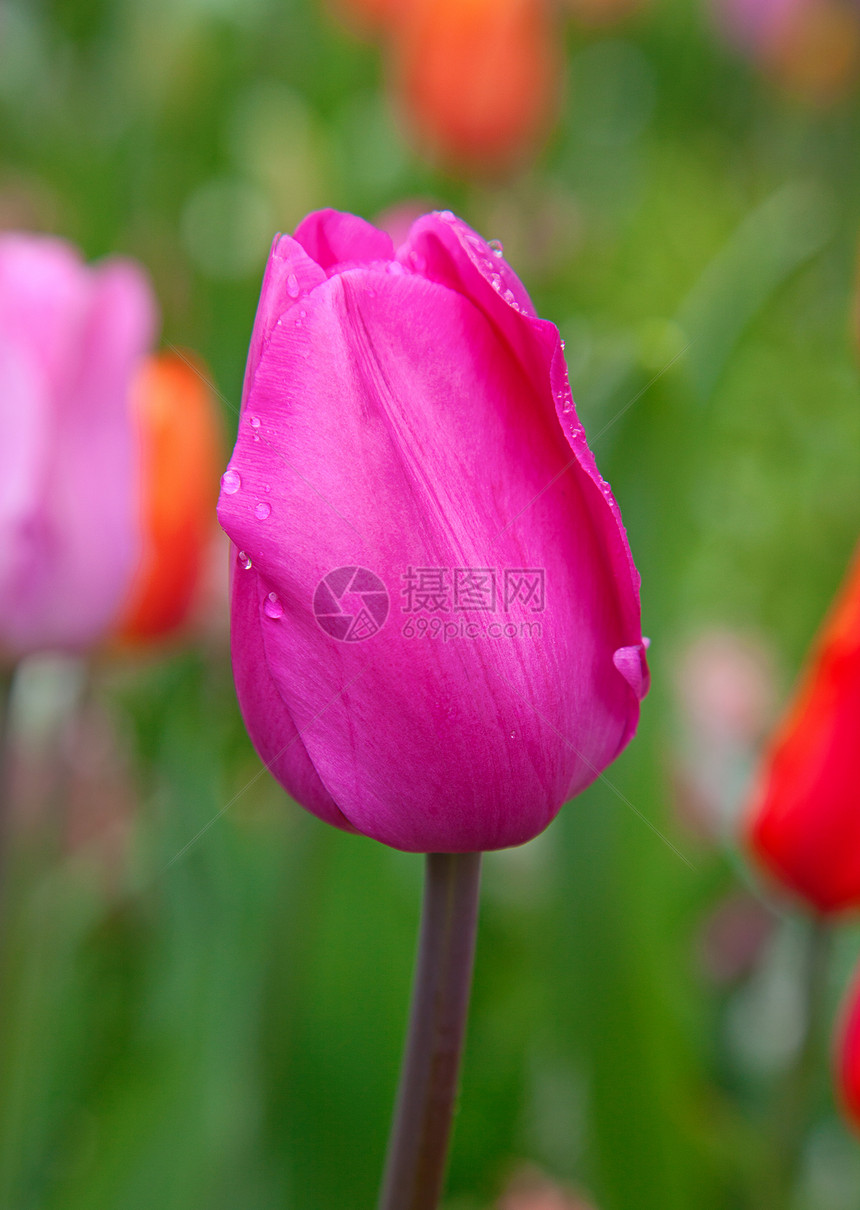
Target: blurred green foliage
[[216, 1020]]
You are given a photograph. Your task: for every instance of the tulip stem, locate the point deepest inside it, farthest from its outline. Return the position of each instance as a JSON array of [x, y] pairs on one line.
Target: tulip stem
[[418, 1147]]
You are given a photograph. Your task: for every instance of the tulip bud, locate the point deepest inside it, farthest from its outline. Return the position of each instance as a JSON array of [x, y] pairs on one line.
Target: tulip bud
[[179, 453], [477, 79], [847, 1055], [435, 615], [803, 824], [71, 340]]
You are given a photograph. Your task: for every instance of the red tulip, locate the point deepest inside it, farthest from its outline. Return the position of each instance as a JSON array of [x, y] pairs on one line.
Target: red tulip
[[804, 822], [847, 1055], [179, 441], [477, 79]]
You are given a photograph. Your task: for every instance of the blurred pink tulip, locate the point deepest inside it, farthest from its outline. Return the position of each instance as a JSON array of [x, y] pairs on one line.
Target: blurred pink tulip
[[407, 421], [754, 25], [808, 47], [531, 1190], [71, 340]]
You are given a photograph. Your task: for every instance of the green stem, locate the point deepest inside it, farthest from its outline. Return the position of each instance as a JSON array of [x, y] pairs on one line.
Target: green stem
[[418, 1149]]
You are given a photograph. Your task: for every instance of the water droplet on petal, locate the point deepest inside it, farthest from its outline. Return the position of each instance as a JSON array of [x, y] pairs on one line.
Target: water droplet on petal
[[630, 662], [272, 606], [513, 735], [231, 481], [254, 422], [293, 286], [496, 247], [267, 487], [243, 560], [263, 510]]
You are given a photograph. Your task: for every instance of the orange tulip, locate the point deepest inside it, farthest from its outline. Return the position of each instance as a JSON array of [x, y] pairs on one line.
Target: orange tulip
[[804, 822], [180, 456], [477, 79]]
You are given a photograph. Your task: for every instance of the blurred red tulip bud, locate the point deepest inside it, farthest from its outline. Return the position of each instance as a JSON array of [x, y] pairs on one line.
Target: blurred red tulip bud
[[477, 79], [180, 453], [847, 1055], [803, 825]]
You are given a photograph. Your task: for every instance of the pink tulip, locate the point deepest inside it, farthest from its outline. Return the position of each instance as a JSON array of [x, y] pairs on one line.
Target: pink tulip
[[755, 25], [435, 614], [809, 47], [71, 339]]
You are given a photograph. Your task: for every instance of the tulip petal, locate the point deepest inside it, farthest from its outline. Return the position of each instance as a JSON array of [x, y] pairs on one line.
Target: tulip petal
[[452, 253], [290, 274], [333, 238], [276, 737]]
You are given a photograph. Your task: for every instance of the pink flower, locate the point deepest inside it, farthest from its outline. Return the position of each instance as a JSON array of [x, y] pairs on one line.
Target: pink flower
[[809, 47], [71, 339], [435, 614], [755, 25]]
